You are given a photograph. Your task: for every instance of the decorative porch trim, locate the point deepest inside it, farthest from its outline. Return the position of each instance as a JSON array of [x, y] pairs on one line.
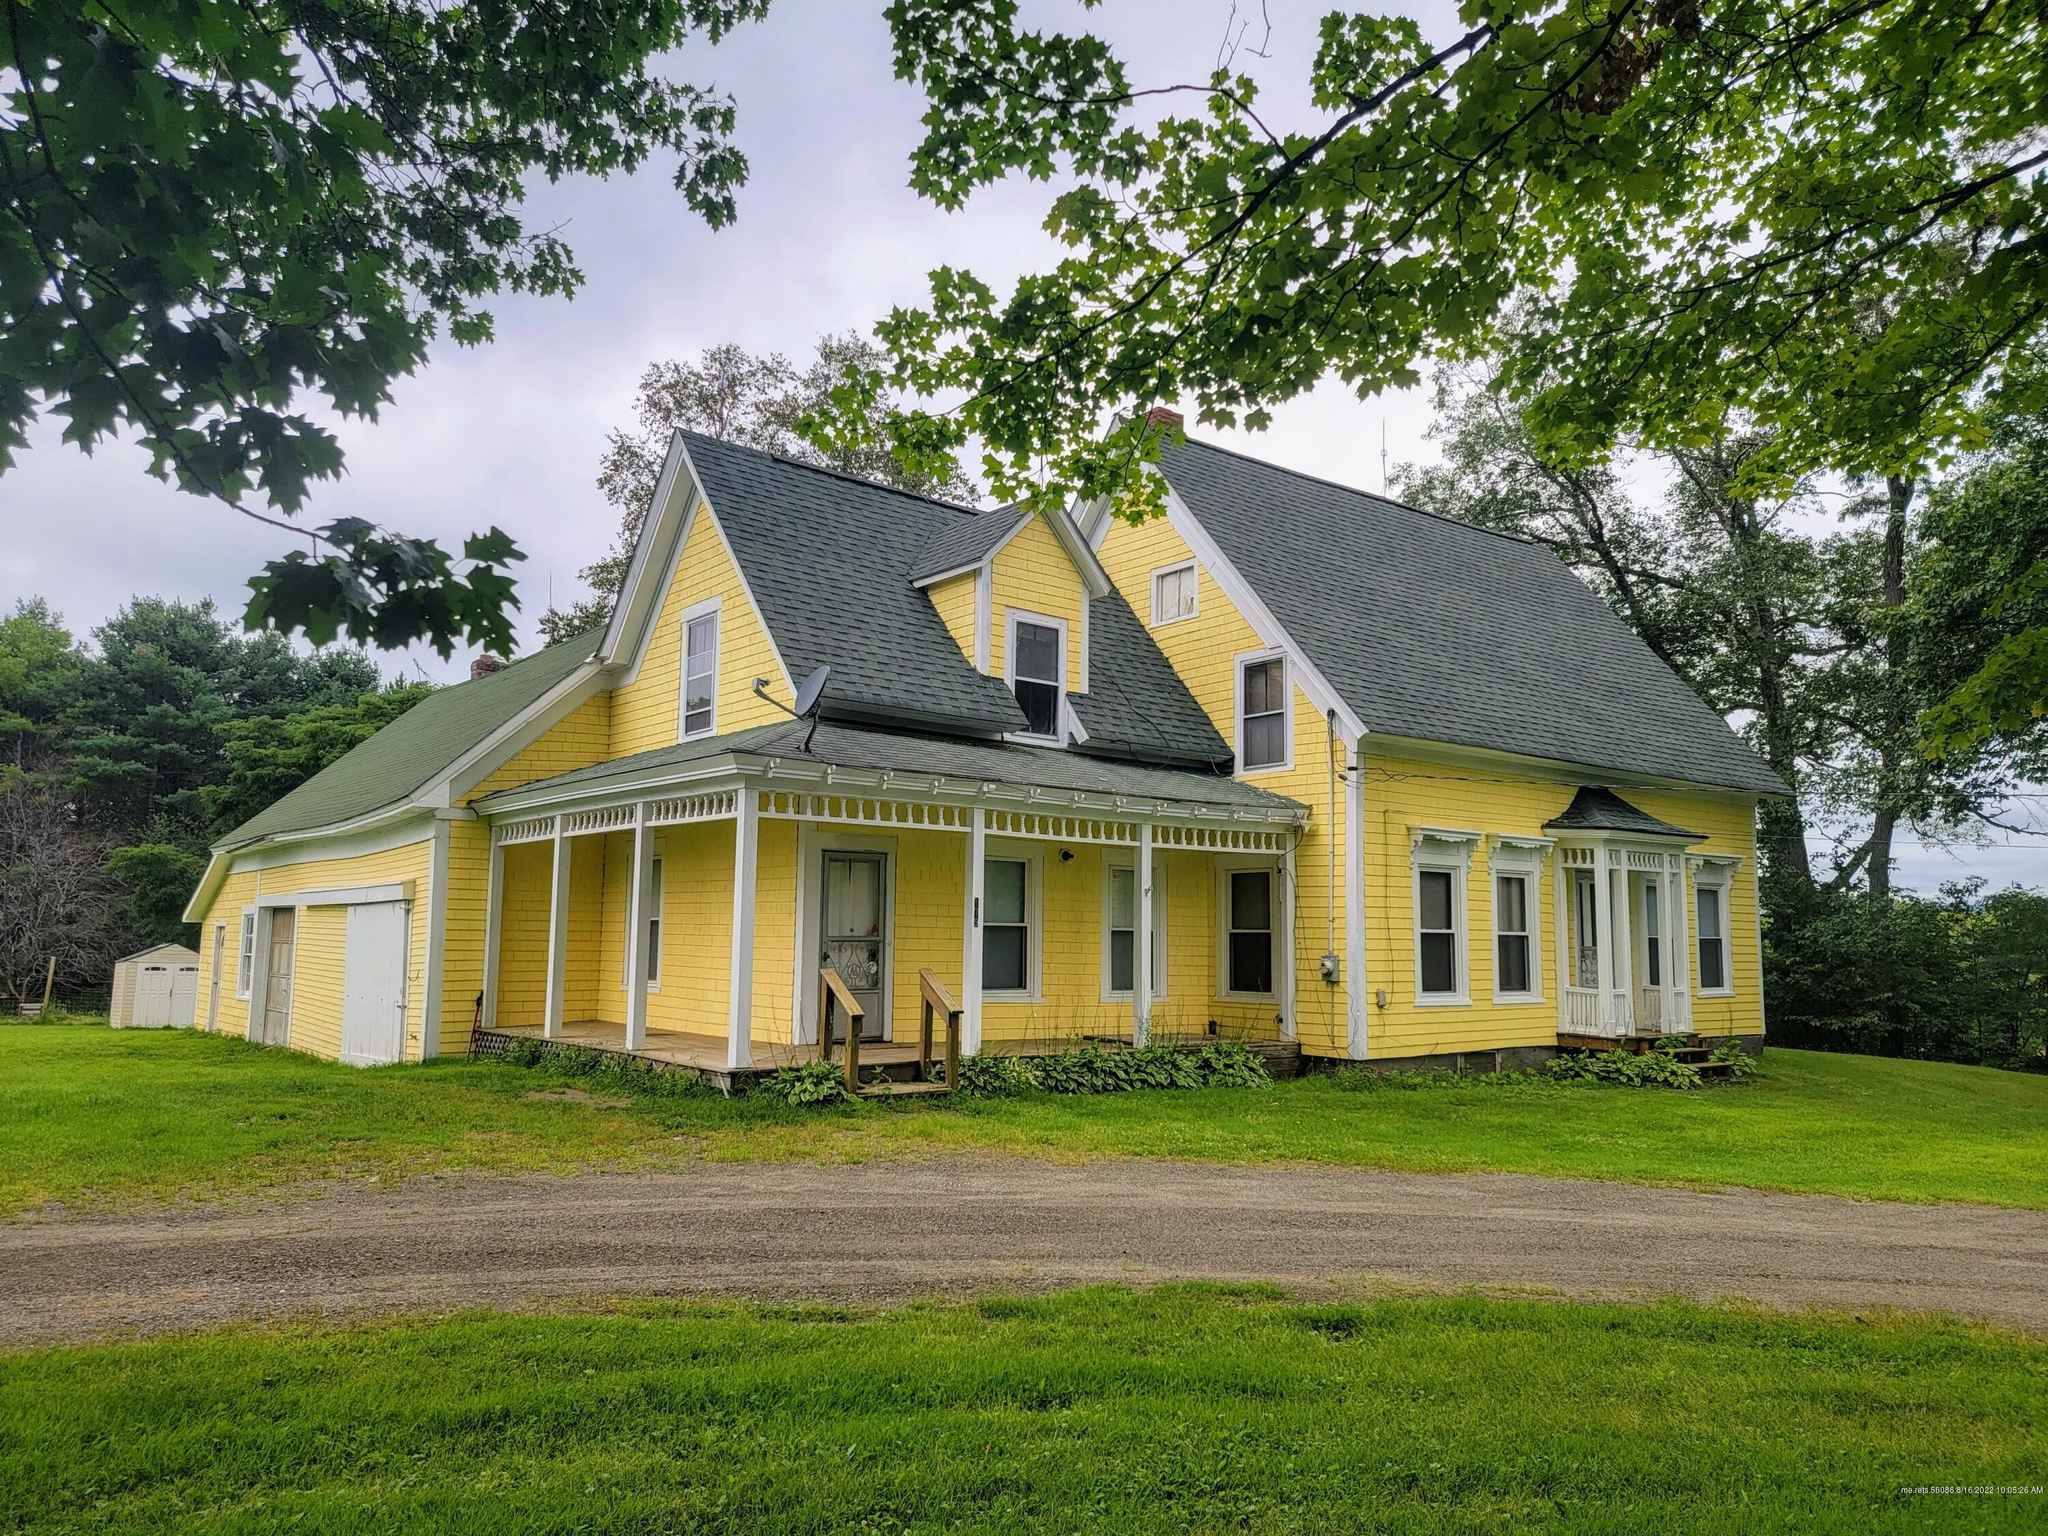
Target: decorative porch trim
[[537, 830]]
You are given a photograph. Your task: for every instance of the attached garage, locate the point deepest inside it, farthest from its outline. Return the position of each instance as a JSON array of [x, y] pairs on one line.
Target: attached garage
[[332, 971], [155, 988]]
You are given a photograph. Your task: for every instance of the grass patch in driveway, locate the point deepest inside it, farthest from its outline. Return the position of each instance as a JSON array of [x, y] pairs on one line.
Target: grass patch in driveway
[[91, 1116], [1188, 1408]]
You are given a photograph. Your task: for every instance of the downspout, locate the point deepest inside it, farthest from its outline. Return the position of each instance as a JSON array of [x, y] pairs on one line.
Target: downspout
[[1330, 838]]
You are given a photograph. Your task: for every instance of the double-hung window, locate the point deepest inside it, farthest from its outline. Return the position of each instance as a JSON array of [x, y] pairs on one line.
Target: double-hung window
[[1261, 712], [1120, 919], [1710, 899], [1175, 593], [651, 931], [1037, 673], [700, 671], [1006, 926], [1514, 947], [245, 960], [1441, 860], [1249, 908]]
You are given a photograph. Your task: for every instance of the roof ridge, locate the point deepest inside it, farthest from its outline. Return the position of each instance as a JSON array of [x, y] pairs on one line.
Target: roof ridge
[[1351, 490], [825, 469]]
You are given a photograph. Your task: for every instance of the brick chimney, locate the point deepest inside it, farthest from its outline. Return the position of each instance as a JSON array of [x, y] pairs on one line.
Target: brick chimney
[[1165, 416], [484, 666]]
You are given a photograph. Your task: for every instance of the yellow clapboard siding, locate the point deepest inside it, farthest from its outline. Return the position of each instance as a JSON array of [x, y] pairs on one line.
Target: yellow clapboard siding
[[236, 892], [316, 993], [1033, 573], [644, 713]]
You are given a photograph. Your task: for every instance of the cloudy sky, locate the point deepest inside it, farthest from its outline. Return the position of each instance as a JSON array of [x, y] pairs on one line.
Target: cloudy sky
[[829, 237]]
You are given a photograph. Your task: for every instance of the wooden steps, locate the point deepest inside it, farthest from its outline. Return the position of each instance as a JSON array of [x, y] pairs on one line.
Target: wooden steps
[[888, 1088], [1690, 1051]]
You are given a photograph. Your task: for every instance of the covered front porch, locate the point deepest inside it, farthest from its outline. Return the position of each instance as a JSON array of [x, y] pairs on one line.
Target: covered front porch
[[687, 918]]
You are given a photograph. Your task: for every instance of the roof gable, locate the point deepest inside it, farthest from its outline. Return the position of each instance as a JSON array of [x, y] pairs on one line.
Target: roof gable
[[1436, 630]]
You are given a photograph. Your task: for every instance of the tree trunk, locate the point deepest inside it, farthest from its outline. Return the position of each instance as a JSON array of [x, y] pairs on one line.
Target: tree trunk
[[1896, 741]]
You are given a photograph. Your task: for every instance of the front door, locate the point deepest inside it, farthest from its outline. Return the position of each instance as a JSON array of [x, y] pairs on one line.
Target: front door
[[275, 1020], [856, 941]]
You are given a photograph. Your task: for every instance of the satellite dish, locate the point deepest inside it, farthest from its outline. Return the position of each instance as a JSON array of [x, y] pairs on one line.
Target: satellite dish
[[812, 690]]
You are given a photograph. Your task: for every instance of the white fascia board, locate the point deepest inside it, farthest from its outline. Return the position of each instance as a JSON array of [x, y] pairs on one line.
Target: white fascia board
[[939, 577], [513, 737], [1269, 629], [210, 881], [632, 591], [740, 570], [1549, 769], [1093, 577]]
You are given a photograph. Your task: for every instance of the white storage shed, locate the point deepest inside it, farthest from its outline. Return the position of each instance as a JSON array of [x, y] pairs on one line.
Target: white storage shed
[[155, 988]]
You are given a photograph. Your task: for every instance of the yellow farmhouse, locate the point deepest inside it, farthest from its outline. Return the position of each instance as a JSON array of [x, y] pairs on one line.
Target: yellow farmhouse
[[1292, 764]]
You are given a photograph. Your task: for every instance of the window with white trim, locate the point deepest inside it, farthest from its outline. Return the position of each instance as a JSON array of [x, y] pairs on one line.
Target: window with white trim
[[1514, 939], [1249, 907], [653, 931], [1442, 955], [245, 960], [1006, 943], [1653, 931], [1262, 713], [1176, 593], [700, 673], [1710, 906], [1120, 936], [1037, 673]]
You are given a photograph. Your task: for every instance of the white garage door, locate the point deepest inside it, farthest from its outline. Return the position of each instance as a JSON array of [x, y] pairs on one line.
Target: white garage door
[[153, 997], [373, 984]]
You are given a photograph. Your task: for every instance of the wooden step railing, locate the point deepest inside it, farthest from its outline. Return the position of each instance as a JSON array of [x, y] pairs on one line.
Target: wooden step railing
[[936, 1003], [831, 989]]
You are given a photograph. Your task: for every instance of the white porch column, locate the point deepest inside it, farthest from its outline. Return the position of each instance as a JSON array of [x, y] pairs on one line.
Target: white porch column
[[636, 930], [1678, 965], [746, 844], [558, 934], [970, 973], [1141, 942], [494, 917], [1290, 980], [1603, 934], [1624, 942]]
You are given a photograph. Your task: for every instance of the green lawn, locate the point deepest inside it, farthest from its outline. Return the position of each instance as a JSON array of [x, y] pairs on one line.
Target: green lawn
[[1184, 1409], [93, 1116]]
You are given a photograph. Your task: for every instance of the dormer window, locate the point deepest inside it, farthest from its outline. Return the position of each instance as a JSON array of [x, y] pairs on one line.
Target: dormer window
[[699, 705], [1038, 666]]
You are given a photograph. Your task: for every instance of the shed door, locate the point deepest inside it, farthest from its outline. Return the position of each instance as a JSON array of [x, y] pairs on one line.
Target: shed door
[[273, 1024], [184, 995], [373, 984], [152, 996]]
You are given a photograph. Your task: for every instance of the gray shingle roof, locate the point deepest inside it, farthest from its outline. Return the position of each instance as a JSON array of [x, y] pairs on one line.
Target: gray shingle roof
[[1137, 705], [1594, 809], [829, 558], [996, 762], [413, 750], [965, 541], [1440, 631]]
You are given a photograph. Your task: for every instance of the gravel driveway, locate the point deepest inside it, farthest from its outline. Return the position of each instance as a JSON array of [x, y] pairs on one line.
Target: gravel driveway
[[885, 1231]]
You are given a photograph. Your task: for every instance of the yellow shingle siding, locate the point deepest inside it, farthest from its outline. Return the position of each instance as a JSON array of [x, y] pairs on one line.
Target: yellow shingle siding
[[579, 739], [1204, 650], [321, 939], [644, 712], [954, 598], [1033, 573]]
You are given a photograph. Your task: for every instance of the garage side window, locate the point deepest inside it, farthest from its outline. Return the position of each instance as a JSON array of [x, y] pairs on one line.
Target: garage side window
[[245, 960]]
